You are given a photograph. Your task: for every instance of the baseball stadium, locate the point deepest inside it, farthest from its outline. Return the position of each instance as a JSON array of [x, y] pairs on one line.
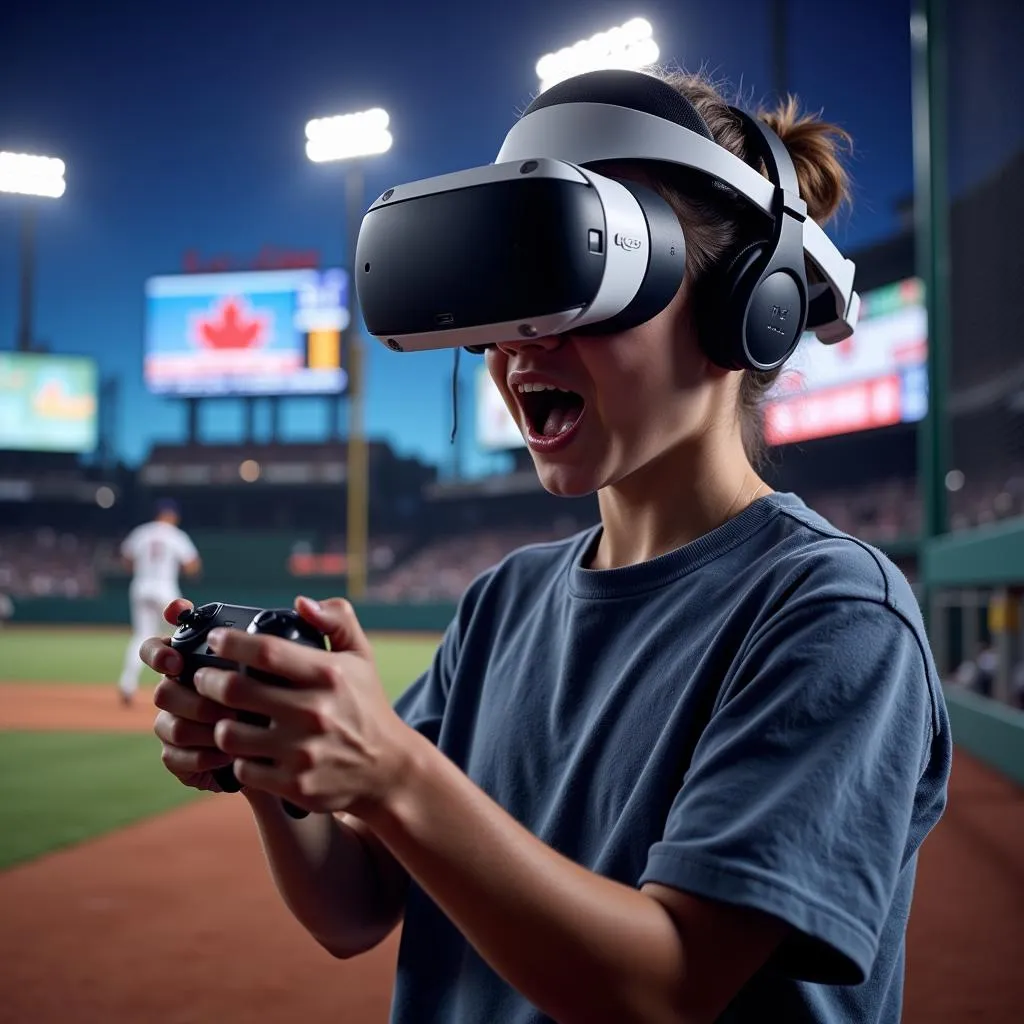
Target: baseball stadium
[[126, 896]]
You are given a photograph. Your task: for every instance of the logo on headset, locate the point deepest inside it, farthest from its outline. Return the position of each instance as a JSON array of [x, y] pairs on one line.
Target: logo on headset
[[627, 243], [779, 313]]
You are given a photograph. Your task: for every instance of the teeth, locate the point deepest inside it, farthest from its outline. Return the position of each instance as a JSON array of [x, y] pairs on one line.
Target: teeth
[[524, 388]]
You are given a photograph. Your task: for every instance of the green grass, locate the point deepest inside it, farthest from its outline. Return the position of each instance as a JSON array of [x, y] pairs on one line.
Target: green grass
[[83, 655], [61, 788]]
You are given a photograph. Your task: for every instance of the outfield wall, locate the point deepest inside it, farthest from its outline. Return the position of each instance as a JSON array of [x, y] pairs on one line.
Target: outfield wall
[[111, 607]]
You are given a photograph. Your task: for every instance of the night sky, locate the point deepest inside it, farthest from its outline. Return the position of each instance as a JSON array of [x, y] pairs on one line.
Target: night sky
[[182, 128]]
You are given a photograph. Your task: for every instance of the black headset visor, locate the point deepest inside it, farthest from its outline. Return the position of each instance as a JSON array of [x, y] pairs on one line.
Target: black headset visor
[[449, 260]]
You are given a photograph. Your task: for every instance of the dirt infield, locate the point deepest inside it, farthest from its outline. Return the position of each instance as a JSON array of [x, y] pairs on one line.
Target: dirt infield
[[55, 706], [145, 924]]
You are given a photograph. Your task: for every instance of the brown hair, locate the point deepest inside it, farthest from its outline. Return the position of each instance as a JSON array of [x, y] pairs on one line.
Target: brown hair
[[714, 227]]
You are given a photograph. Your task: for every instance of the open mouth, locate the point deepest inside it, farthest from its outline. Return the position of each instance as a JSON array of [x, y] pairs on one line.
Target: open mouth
[[550, 411]]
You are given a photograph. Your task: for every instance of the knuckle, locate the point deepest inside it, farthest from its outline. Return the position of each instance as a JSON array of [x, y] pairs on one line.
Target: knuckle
[[169, 758], [303, 759], [265, 651], [225, 735], [150, 650], [305, 785], [160, 693], [226, 687], [326, 673], [178, 732], [316, 718]]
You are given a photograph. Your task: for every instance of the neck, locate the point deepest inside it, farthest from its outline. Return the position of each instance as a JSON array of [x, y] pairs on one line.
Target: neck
[[672, 501]]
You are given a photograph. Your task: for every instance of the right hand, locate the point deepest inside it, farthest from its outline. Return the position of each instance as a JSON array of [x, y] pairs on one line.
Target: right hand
[[185, 722]]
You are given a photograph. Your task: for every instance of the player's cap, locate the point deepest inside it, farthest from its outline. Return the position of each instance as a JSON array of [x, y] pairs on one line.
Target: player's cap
[[167, 506]]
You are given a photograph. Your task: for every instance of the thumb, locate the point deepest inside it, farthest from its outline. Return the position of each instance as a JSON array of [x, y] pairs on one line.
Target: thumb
[[337, 618]]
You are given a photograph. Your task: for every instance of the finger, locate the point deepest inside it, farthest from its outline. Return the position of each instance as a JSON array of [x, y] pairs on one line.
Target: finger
[[276, 779], [243, 693], [254, 742], [157, 653], [180, 732], [302, 667], [337, 618], [174, 609], [189, 760], [183, 702]]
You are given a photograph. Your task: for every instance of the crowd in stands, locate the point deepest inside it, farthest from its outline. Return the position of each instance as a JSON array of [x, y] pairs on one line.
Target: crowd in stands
[[889, 511], [442, 570], [439, 566], [45, 563]]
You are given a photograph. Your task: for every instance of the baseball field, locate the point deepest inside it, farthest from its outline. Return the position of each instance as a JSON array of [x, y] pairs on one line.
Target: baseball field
[[125, 897]]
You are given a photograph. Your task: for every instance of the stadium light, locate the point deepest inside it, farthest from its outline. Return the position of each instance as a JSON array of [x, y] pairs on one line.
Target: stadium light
[[28, 175], [630, 46], [348, 136]]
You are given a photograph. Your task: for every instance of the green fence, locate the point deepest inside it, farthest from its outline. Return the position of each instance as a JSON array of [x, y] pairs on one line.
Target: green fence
[[111, 607]]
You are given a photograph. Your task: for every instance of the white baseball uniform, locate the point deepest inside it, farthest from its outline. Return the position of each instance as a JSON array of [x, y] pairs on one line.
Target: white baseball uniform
[[157, 551]]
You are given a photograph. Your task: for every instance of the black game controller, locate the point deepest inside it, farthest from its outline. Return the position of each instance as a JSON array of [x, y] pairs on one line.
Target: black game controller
[[190, 641]]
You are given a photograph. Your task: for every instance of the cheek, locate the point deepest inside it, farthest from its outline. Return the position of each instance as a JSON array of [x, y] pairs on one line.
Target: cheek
[[633, 373]]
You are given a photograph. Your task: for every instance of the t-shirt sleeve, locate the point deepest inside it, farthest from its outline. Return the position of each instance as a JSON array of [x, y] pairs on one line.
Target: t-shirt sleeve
[[422, 705], [800, 794]]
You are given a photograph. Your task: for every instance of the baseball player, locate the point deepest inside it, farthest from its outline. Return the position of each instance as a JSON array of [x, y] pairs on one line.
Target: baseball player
[[154, 553]]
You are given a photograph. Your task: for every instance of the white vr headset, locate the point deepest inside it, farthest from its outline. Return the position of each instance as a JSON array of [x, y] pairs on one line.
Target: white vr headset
[[539, 243]]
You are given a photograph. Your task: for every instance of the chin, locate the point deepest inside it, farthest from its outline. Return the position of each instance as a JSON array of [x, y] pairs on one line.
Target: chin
[[566, 480]]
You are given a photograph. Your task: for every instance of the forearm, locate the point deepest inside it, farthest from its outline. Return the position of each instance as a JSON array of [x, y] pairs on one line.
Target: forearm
[[579, 946], [330, 877]]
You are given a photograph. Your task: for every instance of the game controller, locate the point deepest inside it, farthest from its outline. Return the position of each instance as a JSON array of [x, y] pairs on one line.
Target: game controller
[[190, 641]]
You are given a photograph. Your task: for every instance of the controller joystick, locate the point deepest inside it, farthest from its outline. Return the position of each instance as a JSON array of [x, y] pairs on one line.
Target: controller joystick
[[190, 640]]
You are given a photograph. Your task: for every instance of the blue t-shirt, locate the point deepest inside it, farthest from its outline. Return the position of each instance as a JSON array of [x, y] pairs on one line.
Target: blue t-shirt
[[754, 718]]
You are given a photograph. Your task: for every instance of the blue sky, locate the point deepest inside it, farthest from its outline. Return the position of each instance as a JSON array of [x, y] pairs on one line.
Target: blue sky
[[182, 128]]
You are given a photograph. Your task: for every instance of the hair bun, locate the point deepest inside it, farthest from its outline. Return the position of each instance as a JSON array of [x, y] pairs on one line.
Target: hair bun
[[815, 147]]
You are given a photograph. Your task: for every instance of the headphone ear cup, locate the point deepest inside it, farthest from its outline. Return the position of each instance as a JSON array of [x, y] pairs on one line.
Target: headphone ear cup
[[721, 306]]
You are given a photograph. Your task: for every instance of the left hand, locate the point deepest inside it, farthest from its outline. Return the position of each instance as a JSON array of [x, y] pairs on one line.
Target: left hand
[[334, 742]]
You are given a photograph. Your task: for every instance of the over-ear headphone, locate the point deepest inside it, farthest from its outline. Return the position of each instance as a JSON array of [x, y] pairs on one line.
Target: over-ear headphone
[[751, 308]]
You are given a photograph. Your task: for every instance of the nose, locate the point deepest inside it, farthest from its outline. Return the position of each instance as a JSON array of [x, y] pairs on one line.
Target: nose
[[548, 343]]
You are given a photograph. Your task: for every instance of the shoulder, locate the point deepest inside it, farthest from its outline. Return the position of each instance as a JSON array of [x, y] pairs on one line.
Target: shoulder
[[807, 560], [831, 604]]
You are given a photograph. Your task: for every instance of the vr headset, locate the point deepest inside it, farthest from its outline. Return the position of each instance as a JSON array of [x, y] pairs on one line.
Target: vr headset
[[539, 243]]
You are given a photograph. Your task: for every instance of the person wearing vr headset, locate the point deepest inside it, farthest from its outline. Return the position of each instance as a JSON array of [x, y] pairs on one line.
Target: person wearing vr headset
[[677, 767]]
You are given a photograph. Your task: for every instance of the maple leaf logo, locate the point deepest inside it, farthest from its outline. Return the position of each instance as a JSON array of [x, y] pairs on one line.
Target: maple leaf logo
[[232, 326]]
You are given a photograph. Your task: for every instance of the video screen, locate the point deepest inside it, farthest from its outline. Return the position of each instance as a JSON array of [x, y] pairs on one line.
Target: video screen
[[496, 430], [274, 332], [875, 378], [48, 403]]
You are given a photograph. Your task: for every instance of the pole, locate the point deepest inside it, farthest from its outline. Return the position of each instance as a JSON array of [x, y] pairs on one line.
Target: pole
[[780, 68], [28, 267], [929, 68], [931, 216], [358, 467]]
